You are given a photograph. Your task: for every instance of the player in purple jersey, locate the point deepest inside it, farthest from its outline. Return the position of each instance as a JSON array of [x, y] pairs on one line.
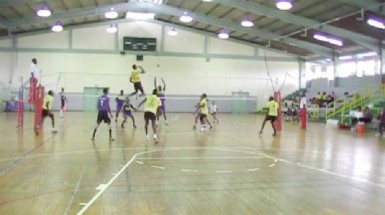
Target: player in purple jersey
[[120, 100], [103, 111], [161, 95], [127, 112]]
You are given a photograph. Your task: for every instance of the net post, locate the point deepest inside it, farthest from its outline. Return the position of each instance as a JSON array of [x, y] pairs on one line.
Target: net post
[[278, 122], [39, 99], [20, 105]]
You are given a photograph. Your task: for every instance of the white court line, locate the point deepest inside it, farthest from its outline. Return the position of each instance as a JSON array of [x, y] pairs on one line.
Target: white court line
[[189, 170], [326, 171], [254, 170], [139, 162], [341, 175], [223, 171], [272, 165], [204, 158], [101, 191], [177, 116], [159, 167], [74, 192]]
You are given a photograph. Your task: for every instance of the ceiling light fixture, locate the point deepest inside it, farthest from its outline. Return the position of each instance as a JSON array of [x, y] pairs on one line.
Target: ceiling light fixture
[[328, 39], [376, 22], [111, 14], [111, 29], [44, 11], [172, 32], [207, 0], [185, 17], [247, 22], [57, 27], [223, 34], [284, 4], [140, 16]]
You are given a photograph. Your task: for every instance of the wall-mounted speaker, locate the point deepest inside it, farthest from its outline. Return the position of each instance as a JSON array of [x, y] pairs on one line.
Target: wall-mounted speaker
[[139, 57]]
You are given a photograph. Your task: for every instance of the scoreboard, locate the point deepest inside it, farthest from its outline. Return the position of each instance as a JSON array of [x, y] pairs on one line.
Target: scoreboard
[[139, 44]]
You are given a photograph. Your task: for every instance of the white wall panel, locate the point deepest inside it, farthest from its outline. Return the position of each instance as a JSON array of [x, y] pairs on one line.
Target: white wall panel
[[185, 42], [6, 43], [47, 40], [220, 46], [93, 38]]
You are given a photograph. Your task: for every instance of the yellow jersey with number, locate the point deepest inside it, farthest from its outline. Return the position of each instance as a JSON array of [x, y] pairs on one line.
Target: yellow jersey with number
[[47, 103], [135, 75], [273, 108], [204, 108], [152, 103]]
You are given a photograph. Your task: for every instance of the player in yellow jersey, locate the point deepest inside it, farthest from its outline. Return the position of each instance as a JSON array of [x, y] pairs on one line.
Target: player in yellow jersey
[[135, 79], [47, 111], [271, 114], [204, 112], [151, 107]]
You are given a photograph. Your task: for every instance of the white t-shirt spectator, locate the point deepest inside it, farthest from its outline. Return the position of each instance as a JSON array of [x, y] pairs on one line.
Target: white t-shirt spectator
[[213, 108], [303, 102], [35, 71]]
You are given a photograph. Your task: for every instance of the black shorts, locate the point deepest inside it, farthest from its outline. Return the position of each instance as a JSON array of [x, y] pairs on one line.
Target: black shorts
[[271, 118], [202, 116], [63, 103], [45, 113], [149, 116], [138, 86], [103, 116]]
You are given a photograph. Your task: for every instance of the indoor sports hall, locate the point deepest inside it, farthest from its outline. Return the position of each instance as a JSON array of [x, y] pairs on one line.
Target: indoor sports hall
[[192, 107]]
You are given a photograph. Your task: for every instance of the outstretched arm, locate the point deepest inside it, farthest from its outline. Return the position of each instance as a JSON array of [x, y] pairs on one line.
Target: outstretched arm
[[141, 68], [164, 85], [155, 83]]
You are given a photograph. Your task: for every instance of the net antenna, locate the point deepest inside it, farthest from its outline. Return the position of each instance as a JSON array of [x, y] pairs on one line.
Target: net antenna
[[271, 78]]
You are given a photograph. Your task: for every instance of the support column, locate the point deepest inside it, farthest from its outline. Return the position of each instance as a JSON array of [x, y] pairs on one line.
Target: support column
[[336, 63], [302, 73]]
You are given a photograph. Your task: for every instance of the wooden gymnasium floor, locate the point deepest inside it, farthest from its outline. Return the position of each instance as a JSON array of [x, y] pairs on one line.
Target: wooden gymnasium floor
[[229, 170]]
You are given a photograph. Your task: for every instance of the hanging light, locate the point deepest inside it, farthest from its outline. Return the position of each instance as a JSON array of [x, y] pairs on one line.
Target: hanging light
[[111, 29], [172, 32], [111, 14], [284, 4], [207, 0], [376, 22], [329, 39], [57, 27], [185, 17], [44, 11], [247, 22], [223, 34]]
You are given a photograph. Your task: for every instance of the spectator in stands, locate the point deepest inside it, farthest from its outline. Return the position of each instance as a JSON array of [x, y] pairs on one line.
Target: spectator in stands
[[367, 116], [318, 98], [324, 99], [357, 115], [381, 122]]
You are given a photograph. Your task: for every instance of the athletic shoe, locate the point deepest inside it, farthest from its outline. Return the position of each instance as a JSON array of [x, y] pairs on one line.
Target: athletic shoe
[[147, 137], [156, 139], [111, 139], [92, 138], [116, 120], [165, 122], [54, 130], [194, 127], [274, 134], [134, 126], [211, 126], [260, 132], [122, 126]]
